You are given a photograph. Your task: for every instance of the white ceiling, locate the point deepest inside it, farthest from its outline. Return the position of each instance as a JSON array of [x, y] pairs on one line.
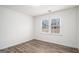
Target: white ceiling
[[37, 10]]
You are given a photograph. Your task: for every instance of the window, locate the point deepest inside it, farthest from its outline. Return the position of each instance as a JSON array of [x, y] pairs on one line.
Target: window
[[55, 25], [51, 26], [45, 26]]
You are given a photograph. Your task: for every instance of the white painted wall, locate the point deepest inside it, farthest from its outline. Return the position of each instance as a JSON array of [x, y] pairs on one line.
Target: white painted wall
[[78, 26], [68, 36], [15, 27]]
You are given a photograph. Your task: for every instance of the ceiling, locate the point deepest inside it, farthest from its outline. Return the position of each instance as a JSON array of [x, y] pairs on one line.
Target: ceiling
[[37, 9]]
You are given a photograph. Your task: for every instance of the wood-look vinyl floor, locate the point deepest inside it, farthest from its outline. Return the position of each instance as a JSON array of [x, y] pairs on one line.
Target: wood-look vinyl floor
[[37, 46]]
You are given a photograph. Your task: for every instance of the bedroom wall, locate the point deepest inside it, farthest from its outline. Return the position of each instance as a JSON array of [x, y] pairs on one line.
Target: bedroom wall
[[78, 25], [15, 27], [68, 35]]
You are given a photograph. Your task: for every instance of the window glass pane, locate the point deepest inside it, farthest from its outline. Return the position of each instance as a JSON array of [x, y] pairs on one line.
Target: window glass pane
[[55, 25]]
